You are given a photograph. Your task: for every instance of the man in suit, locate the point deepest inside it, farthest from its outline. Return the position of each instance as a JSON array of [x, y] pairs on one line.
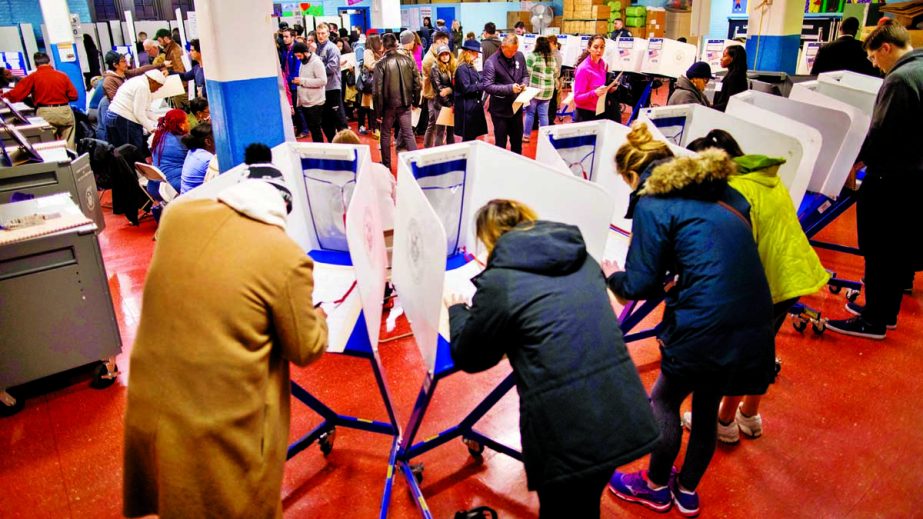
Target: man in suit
[[505, 76], [844, 53]]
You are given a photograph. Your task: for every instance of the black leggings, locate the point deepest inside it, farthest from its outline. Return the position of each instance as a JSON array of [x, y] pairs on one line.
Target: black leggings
[[666, 397], [577, 498]]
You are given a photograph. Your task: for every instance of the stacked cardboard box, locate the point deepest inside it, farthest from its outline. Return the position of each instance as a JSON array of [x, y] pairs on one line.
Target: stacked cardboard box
[[656, 23], [585, 17], [512, 17]]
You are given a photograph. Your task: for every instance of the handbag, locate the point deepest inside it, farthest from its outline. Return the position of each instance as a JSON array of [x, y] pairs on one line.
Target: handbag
[[365, 80]]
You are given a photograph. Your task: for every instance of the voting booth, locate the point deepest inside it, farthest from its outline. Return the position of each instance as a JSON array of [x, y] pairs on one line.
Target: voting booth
[[668, 58], [587, 150], [570, 49], [439, 191], [712, 52], [338, 218], [625, 54], [856, 89], [806, 57], [757, 130], [34, 129]]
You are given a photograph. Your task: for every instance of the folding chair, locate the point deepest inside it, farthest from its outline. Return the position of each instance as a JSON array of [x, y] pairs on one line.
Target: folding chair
[[150, 172]]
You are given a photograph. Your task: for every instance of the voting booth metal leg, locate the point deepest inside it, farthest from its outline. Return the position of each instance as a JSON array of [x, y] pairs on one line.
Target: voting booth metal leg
[[325, 432], [465, 429], [816, 221], [632, 315], [642, 101]]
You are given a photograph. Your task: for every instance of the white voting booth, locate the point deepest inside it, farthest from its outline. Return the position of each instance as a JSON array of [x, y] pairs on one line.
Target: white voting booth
[[570, 49], [713, 50], [439, 191], [625, 54], [856, 89], [587, 151], [772, 135], [840, 138], [668, 58], [323, 181], [806, 57]]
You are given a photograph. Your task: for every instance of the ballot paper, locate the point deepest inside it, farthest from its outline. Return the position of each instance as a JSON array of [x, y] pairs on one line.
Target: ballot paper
[[458, 282], [335, 292], [525, 97], [348, 61], [601, 100], [171, 87]]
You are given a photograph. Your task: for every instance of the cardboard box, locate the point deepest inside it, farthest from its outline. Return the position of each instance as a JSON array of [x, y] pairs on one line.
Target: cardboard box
[[557, 22], [600, 12]]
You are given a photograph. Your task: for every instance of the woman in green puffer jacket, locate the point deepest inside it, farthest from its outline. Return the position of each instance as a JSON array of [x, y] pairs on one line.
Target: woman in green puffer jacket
[[791, 265]]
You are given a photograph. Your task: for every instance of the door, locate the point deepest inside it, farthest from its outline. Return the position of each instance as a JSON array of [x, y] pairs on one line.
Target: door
[[358, 16], [447, 14]]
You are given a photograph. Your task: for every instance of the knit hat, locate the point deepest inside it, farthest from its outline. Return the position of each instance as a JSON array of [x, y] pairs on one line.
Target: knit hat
[[156, 75], [699, 69], [299, 47], [407, 37], [472, 45]]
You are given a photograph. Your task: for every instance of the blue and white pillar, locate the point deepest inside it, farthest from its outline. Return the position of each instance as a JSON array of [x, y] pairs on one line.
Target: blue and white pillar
[[242, 76], [774, 34], [61, 46]]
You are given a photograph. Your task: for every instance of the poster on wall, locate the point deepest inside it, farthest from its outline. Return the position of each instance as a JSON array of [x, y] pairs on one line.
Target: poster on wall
[[291, 9], [427, 12], [739, 7]]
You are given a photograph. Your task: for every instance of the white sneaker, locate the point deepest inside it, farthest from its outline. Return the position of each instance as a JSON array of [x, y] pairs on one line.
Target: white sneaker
[[751, 426], [726, 433]]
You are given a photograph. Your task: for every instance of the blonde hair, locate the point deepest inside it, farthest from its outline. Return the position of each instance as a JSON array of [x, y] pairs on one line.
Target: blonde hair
[[498, 217], [345, 137], [639, 151], [467, 57]]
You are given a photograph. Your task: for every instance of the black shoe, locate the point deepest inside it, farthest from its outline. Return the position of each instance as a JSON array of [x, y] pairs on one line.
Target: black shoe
[[857, 309], [857, 327]]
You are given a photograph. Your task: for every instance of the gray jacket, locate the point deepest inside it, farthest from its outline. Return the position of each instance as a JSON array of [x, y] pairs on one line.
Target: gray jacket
[[312, 78], [686, 93], [330, 55]]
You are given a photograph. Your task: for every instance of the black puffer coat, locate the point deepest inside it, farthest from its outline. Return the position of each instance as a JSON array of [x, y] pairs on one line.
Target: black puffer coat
[[542, 302]]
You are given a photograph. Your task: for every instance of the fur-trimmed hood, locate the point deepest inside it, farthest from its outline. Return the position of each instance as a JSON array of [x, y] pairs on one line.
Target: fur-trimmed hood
[[701, 176]]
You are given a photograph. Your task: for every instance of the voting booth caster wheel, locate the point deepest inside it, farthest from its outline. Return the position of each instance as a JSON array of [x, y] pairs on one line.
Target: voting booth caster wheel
[[417, 470], [819, 326], [326, 441], [475, 449], [778, 368], [10, 405], [852, 295], [834, 289], [104, 374], [800, 324]]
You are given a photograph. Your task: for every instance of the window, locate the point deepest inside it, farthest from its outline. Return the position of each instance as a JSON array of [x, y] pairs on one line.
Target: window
[[106, 10], [185, 5], [146, 10]]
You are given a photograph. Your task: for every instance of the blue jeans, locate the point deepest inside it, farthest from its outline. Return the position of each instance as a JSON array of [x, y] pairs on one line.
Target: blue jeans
[[542, 108]]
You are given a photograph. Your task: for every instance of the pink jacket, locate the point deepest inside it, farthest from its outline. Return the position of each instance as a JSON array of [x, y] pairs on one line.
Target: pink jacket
[[587, 78]]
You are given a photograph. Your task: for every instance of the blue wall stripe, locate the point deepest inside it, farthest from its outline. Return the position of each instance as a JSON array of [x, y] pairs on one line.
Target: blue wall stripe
[[75, 73], [776, 53], [244, 112]]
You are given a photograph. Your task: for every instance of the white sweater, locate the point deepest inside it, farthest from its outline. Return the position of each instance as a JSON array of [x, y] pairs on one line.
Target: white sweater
[[312, 77], [133, 101]]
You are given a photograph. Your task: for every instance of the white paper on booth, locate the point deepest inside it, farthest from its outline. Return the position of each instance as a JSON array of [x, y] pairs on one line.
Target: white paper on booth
[[335, 292], [171, 87], [525, 97]]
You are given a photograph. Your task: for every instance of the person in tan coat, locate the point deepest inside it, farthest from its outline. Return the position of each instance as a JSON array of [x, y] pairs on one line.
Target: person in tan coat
[[227, 305], [174, 54]]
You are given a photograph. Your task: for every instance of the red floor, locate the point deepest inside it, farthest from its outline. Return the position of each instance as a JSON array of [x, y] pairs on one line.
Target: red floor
[[842, 435]]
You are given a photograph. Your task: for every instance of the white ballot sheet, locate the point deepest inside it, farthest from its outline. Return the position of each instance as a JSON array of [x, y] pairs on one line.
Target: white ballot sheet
[[525, 97], [601, 100], [348, 61], [171, 87], [336, 293], [458, 282]]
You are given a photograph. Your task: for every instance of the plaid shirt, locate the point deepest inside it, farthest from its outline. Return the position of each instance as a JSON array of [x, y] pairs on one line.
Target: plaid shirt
[[541, 75]]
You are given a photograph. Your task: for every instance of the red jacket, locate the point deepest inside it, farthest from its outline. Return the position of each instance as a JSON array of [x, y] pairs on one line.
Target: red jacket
[[47, 87]]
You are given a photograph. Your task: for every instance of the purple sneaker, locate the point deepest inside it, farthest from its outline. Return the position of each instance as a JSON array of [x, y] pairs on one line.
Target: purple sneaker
[[686, 502], [634, 488]]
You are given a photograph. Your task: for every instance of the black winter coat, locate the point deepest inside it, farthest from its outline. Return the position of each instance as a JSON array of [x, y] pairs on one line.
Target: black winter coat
[[441, 80], [542, 302], [888, 201], [397, 82], [470, 121], [844, 53], [734, 82], [716, 325]]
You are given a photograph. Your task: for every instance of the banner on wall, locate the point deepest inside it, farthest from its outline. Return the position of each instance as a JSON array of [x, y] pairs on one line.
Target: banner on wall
[[739, 7], [291, 9]]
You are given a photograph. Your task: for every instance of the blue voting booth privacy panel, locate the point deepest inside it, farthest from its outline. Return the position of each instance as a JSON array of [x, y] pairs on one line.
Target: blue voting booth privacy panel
[[444, 187], [673, 128], [578, 152], [330, 185]]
